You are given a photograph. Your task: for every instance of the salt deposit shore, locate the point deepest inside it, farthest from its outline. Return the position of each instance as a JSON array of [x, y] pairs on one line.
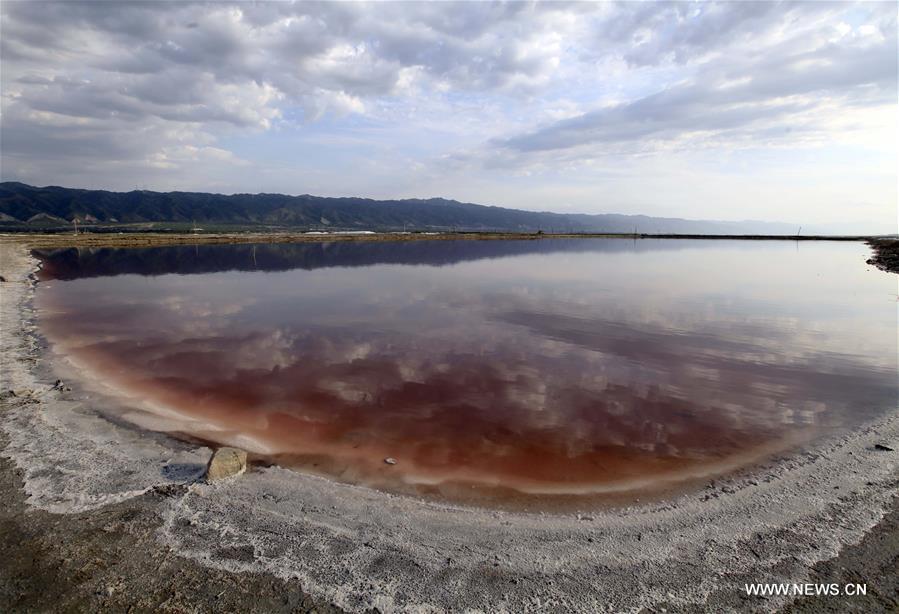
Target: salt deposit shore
[[99, 514]]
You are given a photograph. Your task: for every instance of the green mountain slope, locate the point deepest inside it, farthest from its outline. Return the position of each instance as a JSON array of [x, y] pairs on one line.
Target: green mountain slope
[[25, 205]]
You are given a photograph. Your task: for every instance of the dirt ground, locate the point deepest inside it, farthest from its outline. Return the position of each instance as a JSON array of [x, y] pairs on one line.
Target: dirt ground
[[109, 560], [874, 562]]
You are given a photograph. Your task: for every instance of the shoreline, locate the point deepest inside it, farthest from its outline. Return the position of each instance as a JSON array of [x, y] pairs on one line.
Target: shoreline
[[39, 240], [359, 548]]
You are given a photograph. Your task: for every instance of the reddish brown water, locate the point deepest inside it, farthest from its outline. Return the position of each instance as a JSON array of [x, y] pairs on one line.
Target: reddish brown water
[[526, 368]]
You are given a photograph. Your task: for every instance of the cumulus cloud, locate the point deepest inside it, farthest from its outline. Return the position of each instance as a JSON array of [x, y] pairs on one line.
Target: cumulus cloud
[[84, 78], [195, 62], [110, 94], [738, 97]]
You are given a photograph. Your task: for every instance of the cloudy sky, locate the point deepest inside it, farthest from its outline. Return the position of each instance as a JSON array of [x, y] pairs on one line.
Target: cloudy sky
[[729, 111]]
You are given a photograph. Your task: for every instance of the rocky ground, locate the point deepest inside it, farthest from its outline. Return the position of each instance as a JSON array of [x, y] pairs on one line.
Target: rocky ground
[[886, 254], [100, 517]]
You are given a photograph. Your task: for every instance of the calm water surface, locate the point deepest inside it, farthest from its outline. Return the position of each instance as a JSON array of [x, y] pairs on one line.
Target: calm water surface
[[488, 369]]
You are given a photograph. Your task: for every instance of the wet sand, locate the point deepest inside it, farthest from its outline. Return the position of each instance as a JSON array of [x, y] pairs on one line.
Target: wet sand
[[360, 548]]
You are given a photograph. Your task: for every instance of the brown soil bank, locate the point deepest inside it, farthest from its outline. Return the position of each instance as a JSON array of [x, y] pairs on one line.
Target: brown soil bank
[[148, 239]]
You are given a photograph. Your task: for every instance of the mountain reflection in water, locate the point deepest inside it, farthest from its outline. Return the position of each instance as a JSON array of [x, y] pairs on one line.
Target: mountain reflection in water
[[541, 368]]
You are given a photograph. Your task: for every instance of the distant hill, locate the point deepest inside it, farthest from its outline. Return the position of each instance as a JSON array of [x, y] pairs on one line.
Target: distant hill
[[24, 207]]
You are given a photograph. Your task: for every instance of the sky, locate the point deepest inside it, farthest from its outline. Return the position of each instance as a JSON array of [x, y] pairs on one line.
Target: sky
[[732, 111]]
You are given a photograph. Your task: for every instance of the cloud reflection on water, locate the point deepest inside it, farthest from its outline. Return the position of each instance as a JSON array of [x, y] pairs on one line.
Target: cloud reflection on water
[[494, 372]]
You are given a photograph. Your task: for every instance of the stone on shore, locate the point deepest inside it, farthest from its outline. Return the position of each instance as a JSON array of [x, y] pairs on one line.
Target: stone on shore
[[226, 462]]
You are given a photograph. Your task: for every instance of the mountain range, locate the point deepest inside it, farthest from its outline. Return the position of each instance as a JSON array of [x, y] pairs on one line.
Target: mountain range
[[26, 207]]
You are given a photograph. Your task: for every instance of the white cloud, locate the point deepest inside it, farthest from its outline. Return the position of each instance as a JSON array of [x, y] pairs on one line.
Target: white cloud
[[445, 95]]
